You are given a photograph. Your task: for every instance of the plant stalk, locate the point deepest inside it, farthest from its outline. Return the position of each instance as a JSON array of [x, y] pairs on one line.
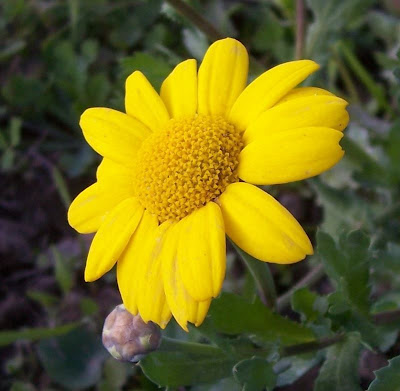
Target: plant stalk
[[309, 279], [300, 29]]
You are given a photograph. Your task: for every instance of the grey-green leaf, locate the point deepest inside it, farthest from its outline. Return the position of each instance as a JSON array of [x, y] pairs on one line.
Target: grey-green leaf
[[387, 378], [232, 314], [173, 369], [255, 374], [340, 369]]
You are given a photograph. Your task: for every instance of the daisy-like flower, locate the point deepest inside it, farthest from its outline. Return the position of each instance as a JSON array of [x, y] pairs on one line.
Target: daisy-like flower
[[180, 170]]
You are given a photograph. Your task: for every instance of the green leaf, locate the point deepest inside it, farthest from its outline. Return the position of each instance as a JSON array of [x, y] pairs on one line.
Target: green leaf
[[155, 68], [73, 360], [63, 272], [387, 378], [15, 131], [308, 304], [312, 309], [88, 306], [115, 374], [61, 186], [340, 369], [348, 265], [296, 366], [231, 314], [7, 159], [8, 337], [47, 300], [255, 374], [262, 276], [175, 369]]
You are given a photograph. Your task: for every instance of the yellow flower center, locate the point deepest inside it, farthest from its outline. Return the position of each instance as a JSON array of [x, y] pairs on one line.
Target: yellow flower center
[[186, 165]]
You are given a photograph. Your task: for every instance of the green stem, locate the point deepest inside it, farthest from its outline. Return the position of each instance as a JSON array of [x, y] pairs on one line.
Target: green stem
[[348, 81], [206, 27], [262, 276], [357, 67], [196, 18], [309, 279], [308, 347], [381, 318]]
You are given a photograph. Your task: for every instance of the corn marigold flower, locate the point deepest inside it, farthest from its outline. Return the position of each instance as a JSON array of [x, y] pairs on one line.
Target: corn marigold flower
[[180, 170]]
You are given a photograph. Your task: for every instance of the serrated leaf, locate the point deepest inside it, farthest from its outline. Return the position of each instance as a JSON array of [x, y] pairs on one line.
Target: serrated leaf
[[308, 304], [348, 266], [255, 374], [173, 369], [387, 378], [232, 314], [312, 309], [340, 369]]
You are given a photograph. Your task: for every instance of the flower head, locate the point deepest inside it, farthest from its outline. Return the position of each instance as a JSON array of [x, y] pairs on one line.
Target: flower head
[[179, 172]]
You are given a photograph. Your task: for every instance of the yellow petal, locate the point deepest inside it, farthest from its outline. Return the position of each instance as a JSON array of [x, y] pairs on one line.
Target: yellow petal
[[152, 303], [261, 226], [179, 90], [113, 177], [303, 92], [201, 252], [143, 103], [319, 110], [267, 89], [183, 306], [290, 155], [112, 237], [222, 76], [113, 134], [89, 209], [129, 264]]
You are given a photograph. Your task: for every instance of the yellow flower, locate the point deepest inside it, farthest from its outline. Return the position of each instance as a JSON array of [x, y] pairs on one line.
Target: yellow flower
[[179, 172]]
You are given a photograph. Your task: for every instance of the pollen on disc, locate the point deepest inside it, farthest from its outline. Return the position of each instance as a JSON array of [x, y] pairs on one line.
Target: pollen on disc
[[186, 165]]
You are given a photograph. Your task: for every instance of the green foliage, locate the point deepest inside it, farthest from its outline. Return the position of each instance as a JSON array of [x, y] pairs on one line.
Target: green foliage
[[387, 378], [348, 265], [58, 58], [73, 360], [255, 374], [340, 370], [186, 368], [231, 314], [9, 337]]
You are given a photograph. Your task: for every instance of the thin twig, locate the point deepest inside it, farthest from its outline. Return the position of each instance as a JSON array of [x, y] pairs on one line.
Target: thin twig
[[309, 279], [300, 29], [196, 18], [206, 27], [386, 317], [307, 347], [382, 318]]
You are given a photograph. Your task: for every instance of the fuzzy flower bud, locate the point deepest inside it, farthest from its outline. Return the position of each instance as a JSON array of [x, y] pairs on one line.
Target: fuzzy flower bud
[[128, 337]]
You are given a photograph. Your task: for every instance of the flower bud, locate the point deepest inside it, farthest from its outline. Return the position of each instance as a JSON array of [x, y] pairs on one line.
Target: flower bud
[[128, 337]]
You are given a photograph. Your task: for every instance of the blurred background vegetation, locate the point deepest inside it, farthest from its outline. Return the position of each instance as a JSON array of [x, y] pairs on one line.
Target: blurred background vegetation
[[59, 57]]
